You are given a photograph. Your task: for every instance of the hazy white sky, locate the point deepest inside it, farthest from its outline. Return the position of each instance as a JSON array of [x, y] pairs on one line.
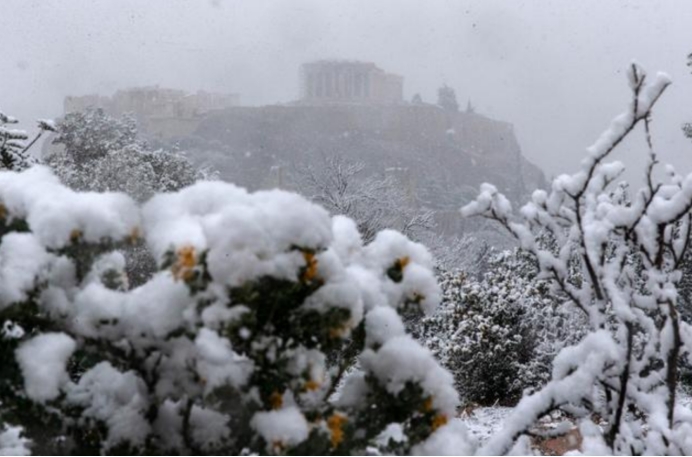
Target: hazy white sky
[[553, 68]]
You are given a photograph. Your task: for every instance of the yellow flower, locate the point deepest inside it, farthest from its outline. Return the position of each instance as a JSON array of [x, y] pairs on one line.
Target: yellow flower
[[134, 235], [185, 263], [276, 400], [438, 421], [341, 330], [277, 447], [312, 385], [310, 272], [427, 405], [75, 235], [335, 424]]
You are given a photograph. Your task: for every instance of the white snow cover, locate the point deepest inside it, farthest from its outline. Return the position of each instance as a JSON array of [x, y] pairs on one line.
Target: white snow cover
[[381, 325], [353, 391], [209, 427], [627, 248], [218, 364], [118, 399], [22, 259], [56, 213], [347, 240], [150, 311], [343, 294], [46, 124], [11, 330], [286, 426], [12, 442], [370, 285], [247, 235], [402, 359], [112, 261], [451, 439], [169, 423], [42, 360], [390, 245], [418, 284]]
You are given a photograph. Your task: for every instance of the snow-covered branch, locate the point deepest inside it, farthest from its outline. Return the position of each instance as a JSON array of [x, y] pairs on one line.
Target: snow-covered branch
[[628, 250]]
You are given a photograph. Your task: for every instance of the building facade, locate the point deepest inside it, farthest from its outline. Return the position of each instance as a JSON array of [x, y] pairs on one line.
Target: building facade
[[338, 81], [154, 102]]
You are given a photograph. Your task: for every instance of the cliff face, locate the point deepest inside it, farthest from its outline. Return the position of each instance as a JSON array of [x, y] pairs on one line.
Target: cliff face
[[442, 157]]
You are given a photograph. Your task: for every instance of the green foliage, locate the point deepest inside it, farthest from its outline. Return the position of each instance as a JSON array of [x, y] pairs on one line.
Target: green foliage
[[498, 335], [280, 334]]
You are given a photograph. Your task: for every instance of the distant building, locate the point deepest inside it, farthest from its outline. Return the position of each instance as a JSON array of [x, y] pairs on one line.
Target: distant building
[[71, 103], [339, 81], [153, 102]]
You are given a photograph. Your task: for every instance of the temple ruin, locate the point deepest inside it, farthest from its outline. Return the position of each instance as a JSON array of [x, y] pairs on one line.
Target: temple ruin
[[154, 102], [339, 81]]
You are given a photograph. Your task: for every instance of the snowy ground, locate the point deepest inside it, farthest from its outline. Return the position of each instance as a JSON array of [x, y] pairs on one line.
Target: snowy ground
[[485, 421]]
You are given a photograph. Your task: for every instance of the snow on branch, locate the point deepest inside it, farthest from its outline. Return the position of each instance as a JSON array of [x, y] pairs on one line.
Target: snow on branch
[[615, 256]]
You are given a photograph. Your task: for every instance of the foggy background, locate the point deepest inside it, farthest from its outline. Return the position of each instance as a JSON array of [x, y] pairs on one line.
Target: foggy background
[[555, 69]]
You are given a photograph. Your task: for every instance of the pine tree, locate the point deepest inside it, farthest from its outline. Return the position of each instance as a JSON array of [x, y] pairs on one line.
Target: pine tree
[[447, 99], [470, 109], [14, 152]]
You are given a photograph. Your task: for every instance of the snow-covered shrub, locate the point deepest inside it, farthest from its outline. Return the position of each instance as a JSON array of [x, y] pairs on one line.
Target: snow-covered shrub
[[625, 371], [94, 151], [222, 351], [374, 202], [14, 152], [98, 152], [498, 335]]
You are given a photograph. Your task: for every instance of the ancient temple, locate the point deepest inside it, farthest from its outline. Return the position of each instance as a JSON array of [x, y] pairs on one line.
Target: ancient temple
[[339, 81], [154, 102]]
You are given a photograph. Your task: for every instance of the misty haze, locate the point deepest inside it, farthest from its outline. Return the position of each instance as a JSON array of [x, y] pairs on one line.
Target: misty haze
[[367, 227]]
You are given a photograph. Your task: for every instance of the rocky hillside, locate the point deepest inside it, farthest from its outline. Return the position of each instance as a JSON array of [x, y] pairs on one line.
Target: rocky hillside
[[443, 157]]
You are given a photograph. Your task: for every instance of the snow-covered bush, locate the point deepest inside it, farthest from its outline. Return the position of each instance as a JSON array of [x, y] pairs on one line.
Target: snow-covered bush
[[374, 202], [14, 152], [98, 152], [222, 351], [94, 151], [625, 371], [498, 335]]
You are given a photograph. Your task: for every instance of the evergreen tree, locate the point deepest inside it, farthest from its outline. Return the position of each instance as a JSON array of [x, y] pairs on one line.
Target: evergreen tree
[[102, 153], [13, 148], [498, 335], [447, 99], [470, 109]]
